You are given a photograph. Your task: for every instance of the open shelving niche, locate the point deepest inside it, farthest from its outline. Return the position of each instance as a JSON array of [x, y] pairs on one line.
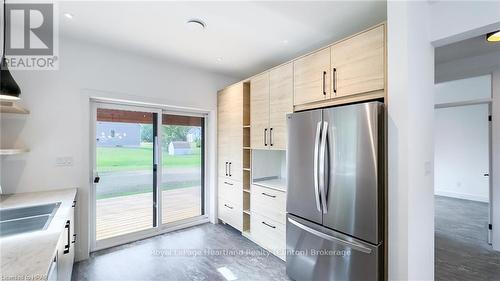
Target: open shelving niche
[[10, 107], [246, 165]]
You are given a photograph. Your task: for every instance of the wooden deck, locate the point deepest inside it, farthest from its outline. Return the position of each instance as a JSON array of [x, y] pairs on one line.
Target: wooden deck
[[131, 213]]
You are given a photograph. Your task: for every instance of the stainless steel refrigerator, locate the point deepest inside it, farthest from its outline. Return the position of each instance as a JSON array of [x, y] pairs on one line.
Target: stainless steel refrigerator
[[335, 197]]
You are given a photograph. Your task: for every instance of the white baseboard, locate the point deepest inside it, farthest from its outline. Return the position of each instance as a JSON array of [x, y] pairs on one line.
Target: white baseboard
[[461, 195]]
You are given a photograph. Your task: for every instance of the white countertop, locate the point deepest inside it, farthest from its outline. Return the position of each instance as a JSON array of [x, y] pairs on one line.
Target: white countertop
[[274, 183], [28, 256]]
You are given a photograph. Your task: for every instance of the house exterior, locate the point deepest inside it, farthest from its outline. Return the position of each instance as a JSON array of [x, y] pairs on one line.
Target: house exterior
[[179, 148], [110, 134]]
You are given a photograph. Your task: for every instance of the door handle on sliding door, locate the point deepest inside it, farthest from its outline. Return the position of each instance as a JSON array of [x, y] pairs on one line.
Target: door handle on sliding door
[[322, 172], [315, 165]]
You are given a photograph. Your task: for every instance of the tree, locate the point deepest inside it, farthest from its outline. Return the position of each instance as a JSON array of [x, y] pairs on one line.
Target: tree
[[146, 133], [174, 133]]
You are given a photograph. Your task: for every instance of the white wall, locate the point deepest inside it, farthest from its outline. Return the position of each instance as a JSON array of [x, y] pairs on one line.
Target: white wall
[[462, 152], [496, 158], [410, 142], [468, 89], [59, 121], [453, 21]]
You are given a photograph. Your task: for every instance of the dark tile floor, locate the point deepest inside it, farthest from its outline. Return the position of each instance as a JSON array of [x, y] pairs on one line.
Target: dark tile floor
[[461, 249], [155, 258]]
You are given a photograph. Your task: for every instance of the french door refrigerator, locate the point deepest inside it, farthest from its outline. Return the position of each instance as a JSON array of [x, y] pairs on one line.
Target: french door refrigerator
[[335, 193]]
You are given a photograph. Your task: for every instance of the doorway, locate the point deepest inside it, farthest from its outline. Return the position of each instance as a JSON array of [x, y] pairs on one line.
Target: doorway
[[149, 169]]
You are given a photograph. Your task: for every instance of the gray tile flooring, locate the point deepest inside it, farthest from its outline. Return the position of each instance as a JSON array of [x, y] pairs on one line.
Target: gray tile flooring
[[461, 249], [155, 259], [461, 252]]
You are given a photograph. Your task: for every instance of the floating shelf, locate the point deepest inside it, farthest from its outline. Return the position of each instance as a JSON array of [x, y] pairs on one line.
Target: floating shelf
[[13, 151], [246, 190], [246, 212], [246, 169], [246, 126], [10, 107], [247, 147]]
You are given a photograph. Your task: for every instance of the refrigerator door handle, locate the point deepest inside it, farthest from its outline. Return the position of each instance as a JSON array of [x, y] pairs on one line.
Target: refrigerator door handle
[[322, 154], [353, 245], [315, 165]]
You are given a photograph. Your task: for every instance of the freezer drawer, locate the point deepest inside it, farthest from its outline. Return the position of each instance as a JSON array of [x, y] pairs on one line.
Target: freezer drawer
[[317, 253]]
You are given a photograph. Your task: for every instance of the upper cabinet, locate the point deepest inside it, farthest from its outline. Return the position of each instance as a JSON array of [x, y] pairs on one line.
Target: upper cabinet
[[259, 111], [358, 63], [230, 123], [280, 104], [311, 77], [271, 98]]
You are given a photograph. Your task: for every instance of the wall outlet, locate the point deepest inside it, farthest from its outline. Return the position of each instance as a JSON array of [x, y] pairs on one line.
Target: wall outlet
[[64, 161]]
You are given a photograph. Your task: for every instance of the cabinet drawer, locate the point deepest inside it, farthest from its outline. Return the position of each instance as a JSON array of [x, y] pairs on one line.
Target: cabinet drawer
[[269, 234], [268, 202], [231, 213], [230, 190]]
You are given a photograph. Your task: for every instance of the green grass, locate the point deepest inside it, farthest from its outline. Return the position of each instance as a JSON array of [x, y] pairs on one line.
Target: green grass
[[140, 158]]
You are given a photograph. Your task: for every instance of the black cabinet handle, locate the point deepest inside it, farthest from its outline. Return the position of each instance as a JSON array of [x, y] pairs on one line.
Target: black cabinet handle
[[228, 183], [97, 179], [74, 204], [227, 206], [268, 195], [324, 83], [74, 239], [271, 136], [486, 175], [334, 80], [230, 170], [271, 226], [67, 227], [226, 170], [265, 137]]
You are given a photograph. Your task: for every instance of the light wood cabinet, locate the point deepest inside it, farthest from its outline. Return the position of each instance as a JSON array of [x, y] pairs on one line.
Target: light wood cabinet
[[358, 63], [230, 131], [259, 111], [280, 103], [271, 98], [311, 77]]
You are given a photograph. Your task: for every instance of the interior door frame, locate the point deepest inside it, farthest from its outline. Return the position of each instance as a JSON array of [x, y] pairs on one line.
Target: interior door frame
[[159, 228], [488, 102]]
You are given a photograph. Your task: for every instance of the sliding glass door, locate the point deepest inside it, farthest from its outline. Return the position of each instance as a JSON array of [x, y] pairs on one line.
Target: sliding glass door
[[183, 167], [148, 172]]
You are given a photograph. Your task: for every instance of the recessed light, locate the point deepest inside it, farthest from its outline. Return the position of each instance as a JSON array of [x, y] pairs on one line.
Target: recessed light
[[285, 42], [196, 24], [219, 59], [493, 36], [68, 16]]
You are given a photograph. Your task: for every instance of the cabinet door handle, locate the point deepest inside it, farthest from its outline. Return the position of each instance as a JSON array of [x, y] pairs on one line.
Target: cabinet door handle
[[324, 83], [228, 183], [268, 195], [226, 170], [265, 137], [334, 76], [230, 170], [74, 239], [271, 136], [67, 227], [74, 204], [271, 226], [227, 206]]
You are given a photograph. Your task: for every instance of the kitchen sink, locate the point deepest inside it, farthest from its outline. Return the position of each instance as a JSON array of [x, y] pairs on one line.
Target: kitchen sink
[[26, 219]]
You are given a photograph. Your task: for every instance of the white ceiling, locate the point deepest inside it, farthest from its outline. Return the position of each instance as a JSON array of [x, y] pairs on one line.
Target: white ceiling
[[248, 36], [475, 46]]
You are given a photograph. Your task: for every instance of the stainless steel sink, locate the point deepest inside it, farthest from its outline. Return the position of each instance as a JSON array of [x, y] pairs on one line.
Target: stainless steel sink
[[26, 219]]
